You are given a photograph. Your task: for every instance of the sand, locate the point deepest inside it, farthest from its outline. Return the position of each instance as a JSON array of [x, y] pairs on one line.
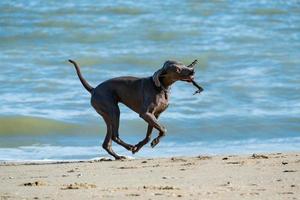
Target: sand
[[268, 176]]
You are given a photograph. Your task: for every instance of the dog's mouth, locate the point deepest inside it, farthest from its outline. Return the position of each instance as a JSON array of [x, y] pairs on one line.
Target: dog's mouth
[[188, 79]]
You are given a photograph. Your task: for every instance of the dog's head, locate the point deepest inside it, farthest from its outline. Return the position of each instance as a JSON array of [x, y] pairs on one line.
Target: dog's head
[[173, 71]]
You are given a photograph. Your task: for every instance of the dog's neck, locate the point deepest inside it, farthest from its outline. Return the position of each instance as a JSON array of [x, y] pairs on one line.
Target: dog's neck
[[166, 84]]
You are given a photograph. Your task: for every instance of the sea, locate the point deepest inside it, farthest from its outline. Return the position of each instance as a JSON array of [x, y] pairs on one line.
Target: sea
[[248, 56]]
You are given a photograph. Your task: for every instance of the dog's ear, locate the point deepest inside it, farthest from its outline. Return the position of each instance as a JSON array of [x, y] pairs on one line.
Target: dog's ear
[[156, 76], [160, 72]]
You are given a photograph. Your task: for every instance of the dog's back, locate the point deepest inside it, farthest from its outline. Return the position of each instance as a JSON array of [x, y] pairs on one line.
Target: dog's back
[[127, 90]]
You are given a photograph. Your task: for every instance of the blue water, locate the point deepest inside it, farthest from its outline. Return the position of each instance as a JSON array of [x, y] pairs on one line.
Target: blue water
[[249, 66]]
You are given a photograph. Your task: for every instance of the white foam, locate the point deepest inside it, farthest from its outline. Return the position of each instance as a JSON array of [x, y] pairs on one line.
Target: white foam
[[164, 149]]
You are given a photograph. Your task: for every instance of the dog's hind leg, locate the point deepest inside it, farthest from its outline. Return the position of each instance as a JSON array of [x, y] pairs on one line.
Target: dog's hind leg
[[107, 143], [111, 115], [115, 120]]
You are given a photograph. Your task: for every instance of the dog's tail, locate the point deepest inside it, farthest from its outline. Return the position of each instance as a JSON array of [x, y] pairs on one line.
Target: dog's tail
[[85, 84]]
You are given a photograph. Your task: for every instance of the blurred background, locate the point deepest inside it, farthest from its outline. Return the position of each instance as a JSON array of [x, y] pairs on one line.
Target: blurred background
[[249, 66]]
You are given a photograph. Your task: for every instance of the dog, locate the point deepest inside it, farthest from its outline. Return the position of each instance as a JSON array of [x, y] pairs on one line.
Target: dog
[[148, 97]]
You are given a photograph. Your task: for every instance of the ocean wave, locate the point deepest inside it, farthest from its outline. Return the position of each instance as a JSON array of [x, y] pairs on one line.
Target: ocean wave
[[33, 125], [125, 10], [247, 52], [162, 35], [269, 11]]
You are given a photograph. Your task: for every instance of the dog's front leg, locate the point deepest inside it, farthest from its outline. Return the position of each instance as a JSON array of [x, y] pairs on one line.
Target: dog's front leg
[[139, 145], [152, 121]]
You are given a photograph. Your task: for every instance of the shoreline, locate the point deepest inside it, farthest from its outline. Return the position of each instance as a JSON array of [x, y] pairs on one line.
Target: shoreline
[[256, 176], [131, 158]]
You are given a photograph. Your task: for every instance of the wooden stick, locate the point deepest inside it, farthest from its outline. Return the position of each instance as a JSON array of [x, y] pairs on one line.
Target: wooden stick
[[200, 89]]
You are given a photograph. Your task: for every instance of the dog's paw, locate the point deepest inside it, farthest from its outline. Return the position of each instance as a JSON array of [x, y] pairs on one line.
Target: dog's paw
[[135, 149], [120, 158], [129, 147], [154, 142]]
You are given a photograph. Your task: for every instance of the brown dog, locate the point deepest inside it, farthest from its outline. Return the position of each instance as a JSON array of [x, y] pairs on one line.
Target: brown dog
[[146, 96]]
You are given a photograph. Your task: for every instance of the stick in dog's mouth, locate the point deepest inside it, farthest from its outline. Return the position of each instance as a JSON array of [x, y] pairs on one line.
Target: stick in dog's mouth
[[200, 89]]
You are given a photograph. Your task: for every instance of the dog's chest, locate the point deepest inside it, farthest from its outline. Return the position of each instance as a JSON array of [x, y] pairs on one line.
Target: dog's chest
[[162, 102]]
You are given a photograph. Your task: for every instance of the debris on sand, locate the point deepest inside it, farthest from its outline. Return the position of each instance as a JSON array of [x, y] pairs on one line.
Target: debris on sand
[[36, 183], [203, 157], [76, 186], [258, 156]]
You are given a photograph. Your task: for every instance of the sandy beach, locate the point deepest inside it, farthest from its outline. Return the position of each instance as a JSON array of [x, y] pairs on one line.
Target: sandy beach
[[257, 176]]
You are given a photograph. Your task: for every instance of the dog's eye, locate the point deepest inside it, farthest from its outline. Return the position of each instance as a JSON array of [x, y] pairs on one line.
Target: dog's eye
[[178, 70]]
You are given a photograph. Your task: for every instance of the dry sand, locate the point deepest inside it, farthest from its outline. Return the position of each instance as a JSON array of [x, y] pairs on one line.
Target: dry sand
[[269, 176]]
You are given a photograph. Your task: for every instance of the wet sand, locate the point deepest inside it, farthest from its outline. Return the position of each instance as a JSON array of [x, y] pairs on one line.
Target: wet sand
[[268, 176]]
